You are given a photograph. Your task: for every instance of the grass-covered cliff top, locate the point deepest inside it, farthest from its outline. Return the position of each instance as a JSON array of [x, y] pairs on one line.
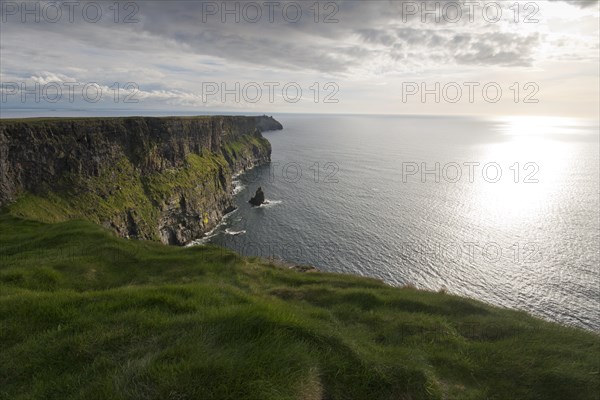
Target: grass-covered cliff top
[[87, 315], [34, 120]]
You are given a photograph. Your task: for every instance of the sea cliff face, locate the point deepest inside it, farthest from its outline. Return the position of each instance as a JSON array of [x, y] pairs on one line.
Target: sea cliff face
[[166, 179]]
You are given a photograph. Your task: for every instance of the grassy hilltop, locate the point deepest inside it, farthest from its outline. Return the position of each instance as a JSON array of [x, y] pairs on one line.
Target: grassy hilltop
[[87, 315]]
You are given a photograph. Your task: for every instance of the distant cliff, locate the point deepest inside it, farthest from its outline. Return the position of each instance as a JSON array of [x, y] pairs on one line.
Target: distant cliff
[[166, 179]]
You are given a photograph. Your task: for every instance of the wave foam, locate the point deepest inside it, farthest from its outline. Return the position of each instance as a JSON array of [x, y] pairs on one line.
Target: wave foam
[[270, 203], [234, 233]]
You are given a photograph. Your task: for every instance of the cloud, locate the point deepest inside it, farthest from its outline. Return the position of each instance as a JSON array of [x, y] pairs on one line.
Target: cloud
[[176, 46], [363, 30]]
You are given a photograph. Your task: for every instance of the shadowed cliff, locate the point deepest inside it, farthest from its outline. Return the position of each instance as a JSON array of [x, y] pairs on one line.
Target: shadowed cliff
[[166, 179]]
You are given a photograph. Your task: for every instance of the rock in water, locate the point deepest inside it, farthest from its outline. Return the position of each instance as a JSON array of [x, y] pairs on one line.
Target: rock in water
[[258, 199]]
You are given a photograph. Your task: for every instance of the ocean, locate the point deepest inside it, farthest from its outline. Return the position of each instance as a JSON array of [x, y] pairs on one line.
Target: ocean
[[504, 210]]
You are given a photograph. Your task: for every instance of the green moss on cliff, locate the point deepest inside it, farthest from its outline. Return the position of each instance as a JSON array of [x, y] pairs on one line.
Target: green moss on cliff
[[199, 173], [86, 315], [103, 199], [117, 190], [48, 209], [121, 189], [163, 179], [246, 146]]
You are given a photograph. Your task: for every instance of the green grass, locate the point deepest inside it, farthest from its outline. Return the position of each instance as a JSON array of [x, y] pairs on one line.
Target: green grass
[[120, 188], [42, 120], [100, 199], [201, 171], [244, 147], [87, 315], [133, 188]]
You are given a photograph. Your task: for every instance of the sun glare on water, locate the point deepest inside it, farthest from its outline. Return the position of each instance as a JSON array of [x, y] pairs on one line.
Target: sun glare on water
[[533, 161]]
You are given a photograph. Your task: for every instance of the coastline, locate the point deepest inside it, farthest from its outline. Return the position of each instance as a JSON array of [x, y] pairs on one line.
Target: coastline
[[152, 178], [194, 319]]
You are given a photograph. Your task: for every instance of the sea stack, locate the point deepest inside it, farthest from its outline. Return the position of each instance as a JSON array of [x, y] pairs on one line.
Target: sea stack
[[258, 199]]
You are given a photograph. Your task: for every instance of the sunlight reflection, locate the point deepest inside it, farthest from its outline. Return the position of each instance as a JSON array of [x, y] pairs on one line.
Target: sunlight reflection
[[533, 163]]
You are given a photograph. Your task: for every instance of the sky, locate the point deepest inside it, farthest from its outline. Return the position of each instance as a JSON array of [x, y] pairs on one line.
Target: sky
[[370, 57]]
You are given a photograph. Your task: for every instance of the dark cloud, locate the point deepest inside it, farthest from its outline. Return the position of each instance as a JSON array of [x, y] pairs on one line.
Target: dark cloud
[[326, 47], [364, 30], [494, 48]]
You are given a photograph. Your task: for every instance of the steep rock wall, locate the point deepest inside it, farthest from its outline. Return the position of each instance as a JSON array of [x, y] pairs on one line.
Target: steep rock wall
[[166, 179]]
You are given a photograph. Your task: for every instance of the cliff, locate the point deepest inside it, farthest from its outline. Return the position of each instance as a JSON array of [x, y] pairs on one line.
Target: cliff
[[166, 179]]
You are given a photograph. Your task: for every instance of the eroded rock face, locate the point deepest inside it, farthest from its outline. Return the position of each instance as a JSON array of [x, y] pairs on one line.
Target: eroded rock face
[[166, 179], [258, 199]]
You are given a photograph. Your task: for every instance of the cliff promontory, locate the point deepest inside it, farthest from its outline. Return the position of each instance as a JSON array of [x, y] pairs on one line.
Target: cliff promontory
[[166, 179]]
